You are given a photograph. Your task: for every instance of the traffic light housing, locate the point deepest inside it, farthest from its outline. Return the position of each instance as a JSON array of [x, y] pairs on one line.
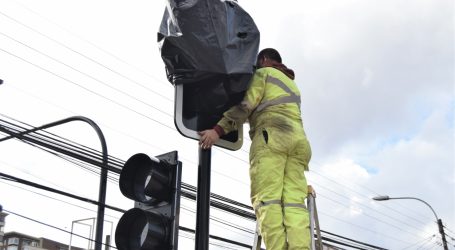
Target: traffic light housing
[[200, 106], [155, 187], [209, 49]]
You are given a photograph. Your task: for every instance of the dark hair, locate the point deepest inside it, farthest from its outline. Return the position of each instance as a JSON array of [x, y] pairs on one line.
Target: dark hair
[[270, 53]]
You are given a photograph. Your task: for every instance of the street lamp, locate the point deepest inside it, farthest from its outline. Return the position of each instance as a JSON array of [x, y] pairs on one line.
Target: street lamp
[[440, 226]]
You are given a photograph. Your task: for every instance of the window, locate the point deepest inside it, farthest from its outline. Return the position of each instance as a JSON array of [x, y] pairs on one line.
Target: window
[[11, 248], [34, 243], [13, 241]]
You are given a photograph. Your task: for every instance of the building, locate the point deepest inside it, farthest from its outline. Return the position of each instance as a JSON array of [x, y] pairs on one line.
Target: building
[[19, 241], [2, 226]]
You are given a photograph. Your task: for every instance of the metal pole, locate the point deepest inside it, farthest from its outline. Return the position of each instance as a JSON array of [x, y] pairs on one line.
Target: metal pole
[[103, 175], [91, 233], [203, 200], [438, 221], [108, 242], [443, 235], [71, 235]]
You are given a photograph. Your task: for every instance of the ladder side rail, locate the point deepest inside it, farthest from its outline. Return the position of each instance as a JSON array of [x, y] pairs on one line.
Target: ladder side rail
[[310, 205], [257, 239], [318, 229]]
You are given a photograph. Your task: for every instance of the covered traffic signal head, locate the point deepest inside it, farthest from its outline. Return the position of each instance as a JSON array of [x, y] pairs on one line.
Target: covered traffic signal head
[[155, 186], [209, 49]]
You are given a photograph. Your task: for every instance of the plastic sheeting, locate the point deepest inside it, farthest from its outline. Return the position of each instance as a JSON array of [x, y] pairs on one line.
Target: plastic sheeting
[[209, 47]]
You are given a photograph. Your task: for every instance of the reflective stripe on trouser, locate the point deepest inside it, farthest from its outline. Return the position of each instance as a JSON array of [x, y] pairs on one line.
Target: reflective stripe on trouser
[[278, 192]]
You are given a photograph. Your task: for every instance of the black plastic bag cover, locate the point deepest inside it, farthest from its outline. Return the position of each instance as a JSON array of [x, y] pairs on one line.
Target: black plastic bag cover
[[209, 49], [202, 39]]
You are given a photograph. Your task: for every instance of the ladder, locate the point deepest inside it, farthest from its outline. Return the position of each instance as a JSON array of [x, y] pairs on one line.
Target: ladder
[[316, 242]]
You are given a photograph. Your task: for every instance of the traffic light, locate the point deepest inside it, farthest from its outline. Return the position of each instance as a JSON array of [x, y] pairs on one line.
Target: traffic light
[[209, 49], [155, 187]]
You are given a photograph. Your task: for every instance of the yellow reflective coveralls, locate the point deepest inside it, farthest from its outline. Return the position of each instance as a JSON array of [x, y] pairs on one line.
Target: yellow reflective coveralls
[[279, 154]]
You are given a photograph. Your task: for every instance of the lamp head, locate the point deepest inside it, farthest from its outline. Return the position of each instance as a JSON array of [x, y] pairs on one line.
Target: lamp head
[[381, 198]]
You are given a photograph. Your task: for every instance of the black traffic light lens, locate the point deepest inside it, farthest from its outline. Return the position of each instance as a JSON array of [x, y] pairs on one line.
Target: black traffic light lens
[[145, 180], [140, 230]]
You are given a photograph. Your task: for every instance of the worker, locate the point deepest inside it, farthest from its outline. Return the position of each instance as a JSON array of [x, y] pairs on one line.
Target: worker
[[279, 152]]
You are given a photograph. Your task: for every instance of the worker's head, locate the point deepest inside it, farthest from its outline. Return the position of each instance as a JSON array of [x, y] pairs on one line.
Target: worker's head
[[266, 55]]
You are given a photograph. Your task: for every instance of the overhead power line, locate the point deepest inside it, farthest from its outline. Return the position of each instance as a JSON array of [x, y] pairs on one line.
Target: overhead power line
[[87, 75], [363, 195], [54, 227], [87, 89], [188, 191], [79, 53], [68, 158], [15, 20], [180, 228]]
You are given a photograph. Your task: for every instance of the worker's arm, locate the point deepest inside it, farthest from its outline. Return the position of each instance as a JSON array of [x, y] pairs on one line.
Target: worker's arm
[[238, 114]]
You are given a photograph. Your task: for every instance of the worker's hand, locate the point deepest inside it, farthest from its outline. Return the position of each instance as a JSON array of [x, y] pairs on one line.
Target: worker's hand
[[208, 138]]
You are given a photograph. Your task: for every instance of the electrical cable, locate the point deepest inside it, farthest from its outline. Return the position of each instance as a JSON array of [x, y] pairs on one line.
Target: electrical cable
[[79, 53], [87, 75], [225, 206], [365, 206], [420, 242], [181, 228], [370, 216], [53, 198], [86, 89], [223, 222], [82, 156], [54, 227], [351, 240], [215, 203], [363, 228], [79, 85], [92, 44], [221, 205], [53, 40], [425, 243], [356, 192]]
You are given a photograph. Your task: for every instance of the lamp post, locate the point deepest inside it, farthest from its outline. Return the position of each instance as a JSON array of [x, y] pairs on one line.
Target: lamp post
[[439, 221], [104, 169]]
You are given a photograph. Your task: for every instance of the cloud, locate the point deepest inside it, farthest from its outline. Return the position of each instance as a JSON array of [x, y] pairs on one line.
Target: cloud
[[361, 67]]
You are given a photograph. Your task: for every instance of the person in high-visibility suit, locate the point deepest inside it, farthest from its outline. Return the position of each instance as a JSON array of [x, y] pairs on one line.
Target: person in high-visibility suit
[[279, 153]]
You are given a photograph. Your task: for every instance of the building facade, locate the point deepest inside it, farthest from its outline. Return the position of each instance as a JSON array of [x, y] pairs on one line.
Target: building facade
[[19, 241], [2, 227]]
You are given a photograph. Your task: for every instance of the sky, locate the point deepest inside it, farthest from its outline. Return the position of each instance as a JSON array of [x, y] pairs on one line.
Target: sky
[[378, 98]]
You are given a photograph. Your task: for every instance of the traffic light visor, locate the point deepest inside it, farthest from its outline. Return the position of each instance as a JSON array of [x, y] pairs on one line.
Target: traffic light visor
[[145, 180]]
